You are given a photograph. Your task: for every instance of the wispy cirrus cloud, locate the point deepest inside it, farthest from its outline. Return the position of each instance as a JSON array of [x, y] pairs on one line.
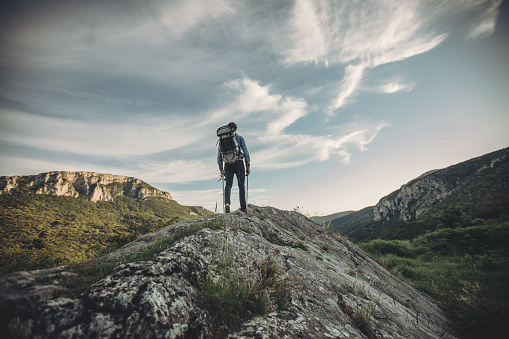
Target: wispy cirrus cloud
[[394, 87], [180, 171], [102, 99], [178, 17], [294, 150], [292, 109], [349, 86], [390, 86], [128, 137], [306, 34], [369, 34]]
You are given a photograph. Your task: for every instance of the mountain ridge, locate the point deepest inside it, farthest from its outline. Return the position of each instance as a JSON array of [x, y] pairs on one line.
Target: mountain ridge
[[479, 186], [413, 199], [92, 185]]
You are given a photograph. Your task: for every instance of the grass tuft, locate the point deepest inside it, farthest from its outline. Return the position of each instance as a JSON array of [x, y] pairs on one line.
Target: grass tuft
[[232, 299]]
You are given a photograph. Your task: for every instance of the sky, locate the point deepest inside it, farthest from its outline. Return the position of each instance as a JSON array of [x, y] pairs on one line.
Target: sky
[[340, 102]]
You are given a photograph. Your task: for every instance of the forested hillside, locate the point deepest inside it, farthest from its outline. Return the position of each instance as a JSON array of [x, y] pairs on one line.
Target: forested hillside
[[42, 230]]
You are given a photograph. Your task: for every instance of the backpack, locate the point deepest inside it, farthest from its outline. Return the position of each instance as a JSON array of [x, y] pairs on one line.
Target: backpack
[[228, 144]]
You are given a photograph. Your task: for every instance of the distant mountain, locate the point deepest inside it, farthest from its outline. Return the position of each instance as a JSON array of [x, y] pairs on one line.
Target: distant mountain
[[348, 223], [94, 186], [479, 185], [327, 218], [476, 188], [67, 217]]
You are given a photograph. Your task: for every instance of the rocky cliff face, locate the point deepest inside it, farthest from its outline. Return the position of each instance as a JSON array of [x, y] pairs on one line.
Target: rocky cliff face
[[413, 199], [420, 195], [94, 186], [332, 284]]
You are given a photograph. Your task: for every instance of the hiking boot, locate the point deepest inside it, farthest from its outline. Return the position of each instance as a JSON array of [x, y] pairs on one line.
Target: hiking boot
[[244, 211], [227, 208]]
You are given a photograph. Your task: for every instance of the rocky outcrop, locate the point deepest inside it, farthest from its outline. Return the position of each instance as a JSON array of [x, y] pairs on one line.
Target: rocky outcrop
[[332, 284], [420, 195], [94, 186], [412, 200]]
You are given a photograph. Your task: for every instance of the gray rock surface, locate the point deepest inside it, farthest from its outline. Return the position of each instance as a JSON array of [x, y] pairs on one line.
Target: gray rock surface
[[331, 280]]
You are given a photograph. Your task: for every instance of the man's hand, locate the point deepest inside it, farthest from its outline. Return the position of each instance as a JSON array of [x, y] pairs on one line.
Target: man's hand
[[221, 172], [248, 168]]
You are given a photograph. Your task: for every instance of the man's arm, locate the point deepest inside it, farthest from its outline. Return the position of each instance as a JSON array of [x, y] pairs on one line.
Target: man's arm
[[220, 160], [247, 159], [242, 144]]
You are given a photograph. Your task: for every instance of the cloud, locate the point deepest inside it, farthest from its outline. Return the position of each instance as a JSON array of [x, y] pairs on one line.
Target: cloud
[[391, 86], [296, 150], [487, 20], [179, 17], [292, 109], [375, 33], [102, 99], [350, 84], [382, 32], [127, 137], [256, 102], [363, 36], [251, 96], [178, 171], [306, 33], [394, 87]]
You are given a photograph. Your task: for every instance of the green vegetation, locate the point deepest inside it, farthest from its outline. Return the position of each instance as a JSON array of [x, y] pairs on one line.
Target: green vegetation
[[327, 218], [42, 231], [466, 270], [232, 298], [365, 307], [91, 271], [347, 223]]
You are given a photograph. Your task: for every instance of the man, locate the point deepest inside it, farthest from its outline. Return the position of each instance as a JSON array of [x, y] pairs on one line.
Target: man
[[236, 168]]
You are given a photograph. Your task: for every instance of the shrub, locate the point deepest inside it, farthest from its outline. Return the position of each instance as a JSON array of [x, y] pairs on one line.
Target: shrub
[[464, 269]]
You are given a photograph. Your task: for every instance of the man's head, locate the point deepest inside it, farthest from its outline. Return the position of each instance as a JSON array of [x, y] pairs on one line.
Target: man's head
[[233, 126]]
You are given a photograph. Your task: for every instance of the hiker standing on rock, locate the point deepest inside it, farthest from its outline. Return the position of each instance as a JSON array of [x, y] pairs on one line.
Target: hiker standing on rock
[[232, 151]]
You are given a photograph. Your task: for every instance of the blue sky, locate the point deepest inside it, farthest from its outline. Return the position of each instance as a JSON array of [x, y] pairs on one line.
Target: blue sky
[[340, 102]]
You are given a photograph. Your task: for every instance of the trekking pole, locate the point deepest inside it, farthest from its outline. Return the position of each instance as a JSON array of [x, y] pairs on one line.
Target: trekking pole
[[247, 190], [222, 179]]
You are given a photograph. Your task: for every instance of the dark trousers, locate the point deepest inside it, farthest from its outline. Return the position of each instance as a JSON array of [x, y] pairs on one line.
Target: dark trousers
[[239, 170]]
